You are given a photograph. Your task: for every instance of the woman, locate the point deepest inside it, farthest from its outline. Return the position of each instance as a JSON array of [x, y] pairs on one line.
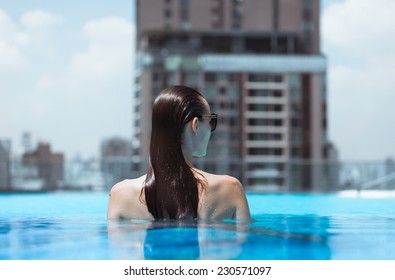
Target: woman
[[173, 188]]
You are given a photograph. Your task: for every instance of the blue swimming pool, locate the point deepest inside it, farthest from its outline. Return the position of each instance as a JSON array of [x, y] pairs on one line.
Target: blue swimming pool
[[74, 226]]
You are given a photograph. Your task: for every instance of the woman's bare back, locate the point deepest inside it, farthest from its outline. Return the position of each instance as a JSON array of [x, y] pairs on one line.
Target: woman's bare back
[[222, 198]]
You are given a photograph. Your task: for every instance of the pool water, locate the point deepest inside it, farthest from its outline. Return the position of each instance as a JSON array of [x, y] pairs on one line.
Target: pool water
[[74, 226]]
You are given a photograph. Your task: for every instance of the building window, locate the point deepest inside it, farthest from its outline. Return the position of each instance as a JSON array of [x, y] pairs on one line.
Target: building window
[[232, 77], [294, 81], [155, 76], [265, 136], [295, 138], [265, 93], [265, 122], [215, 10], [223, 77], [258, 92], [294, 122], [237, 13], [295, 152], [307, 10], [278, 78], [265, 152], [171, 78], [137, 94], [295, 95], [167, 13], [210, 77], [265, 107], [259, 78], [210, 92], [232, 93], [192, 78], [265, 78], [223, 105], [295, 110], [232, 121], [184, 13], [155, 91]]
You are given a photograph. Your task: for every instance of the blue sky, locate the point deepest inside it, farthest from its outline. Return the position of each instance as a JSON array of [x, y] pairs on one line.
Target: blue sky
[[66, 67]]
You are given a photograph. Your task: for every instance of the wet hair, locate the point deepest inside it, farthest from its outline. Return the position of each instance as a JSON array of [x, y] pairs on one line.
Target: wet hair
[[171, 189]]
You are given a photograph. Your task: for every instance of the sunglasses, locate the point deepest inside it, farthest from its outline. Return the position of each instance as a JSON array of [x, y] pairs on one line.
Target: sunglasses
[[213, 120]]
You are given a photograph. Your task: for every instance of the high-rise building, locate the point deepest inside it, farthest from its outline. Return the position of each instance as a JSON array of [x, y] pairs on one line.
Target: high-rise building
[[5, 165], [258, 64], [116, 160]]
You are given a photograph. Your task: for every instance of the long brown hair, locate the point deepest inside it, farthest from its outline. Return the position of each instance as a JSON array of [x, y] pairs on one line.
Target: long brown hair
[[171, 189]]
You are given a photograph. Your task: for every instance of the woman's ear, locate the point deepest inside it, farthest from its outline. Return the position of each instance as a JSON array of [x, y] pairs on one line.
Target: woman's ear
[[194, 125]]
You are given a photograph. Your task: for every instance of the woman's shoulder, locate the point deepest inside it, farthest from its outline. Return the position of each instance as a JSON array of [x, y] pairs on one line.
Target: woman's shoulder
[[125, 199], [223, 198], [128, 186], [222, 183]]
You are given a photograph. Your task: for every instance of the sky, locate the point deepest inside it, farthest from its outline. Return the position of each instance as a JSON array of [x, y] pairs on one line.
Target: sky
[[66, 68]]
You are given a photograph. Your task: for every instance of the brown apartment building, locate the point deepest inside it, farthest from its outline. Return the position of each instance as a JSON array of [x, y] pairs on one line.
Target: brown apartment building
[[258, 63], [49, 165]]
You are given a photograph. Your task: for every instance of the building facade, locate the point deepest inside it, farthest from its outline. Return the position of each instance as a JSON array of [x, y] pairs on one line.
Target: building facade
[[117, 162], [49, 166], [258, 64], [5, 165]]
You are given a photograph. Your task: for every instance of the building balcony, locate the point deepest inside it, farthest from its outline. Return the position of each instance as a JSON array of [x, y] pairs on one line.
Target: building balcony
[[265, 115], [265, 100], [263, 63], [268, 129], [266, 159], [265, 85], [266, 144]]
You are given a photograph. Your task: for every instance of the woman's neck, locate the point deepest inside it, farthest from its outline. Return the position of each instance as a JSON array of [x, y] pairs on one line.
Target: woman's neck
[[187, 156]]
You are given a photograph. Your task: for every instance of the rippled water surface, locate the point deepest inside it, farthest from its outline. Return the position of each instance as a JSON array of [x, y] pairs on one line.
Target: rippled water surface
[[74, 226]]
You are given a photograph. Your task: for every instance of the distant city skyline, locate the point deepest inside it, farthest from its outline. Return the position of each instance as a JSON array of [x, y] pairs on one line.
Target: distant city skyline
[[66, 74]]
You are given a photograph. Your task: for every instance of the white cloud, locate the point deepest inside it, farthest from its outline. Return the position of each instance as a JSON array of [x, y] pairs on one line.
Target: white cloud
[[94, 90], [7, 26], [357, 37], [105, 60], [40, 27], [15, 35], [71, 95], [108, 56], [109, 53], [10, 58], [40, 20], [110, 29], [359, 25]]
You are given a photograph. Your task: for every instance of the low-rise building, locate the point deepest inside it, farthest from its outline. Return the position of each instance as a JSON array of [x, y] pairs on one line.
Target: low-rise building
[[49, 165]]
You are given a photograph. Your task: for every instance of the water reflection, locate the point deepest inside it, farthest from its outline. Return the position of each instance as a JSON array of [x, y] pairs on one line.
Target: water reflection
[[137, 239], [267, 238], [171, 243]]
